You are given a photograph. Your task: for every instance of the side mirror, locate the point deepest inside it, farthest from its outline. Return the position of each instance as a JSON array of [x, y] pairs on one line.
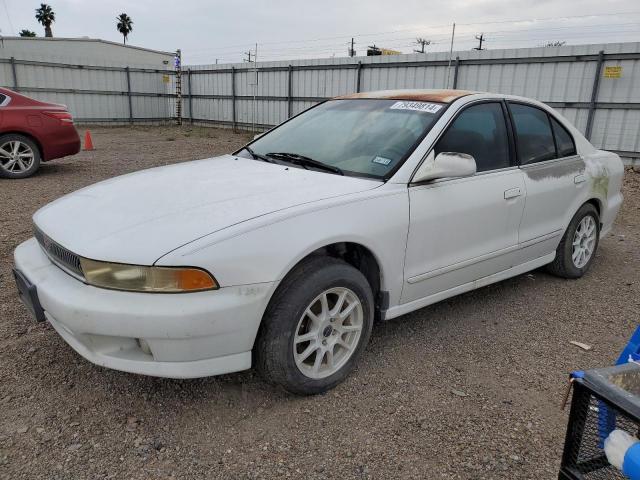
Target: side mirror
[[445, 165]]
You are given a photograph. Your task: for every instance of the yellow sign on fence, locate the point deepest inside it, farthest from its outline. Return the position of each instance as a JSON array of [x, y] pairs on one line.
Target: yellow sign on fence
[[613, 72], [166, 79]]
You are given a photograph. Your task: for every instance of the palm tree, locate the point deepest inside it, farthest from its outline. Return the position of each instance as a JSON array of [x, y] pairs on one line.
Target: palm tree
[[125, 25], [27, 33], [46, 17]]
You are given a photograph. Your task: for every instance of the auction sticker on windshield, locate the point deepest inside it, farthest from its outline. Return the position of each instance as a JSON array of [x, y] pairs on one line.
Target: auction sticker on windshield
[[417, 106]]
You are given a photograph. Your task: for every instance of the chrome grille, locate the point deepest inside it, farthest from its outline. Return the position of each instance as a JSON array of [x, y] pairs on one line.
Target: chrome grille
[[59, 255]]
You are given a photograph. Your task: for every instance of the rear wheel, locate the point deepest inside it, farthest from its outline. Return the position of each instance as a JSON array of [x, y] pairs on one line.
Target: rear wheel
[[19, 156], [578, 247], [316, 326]]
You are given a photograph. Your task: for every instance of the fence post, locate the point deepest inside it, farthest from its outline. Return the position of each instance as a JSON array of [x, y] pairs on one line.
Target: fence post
[[15, 75], [358, 74], [233, 98], [289, 92], [128, 72], [594, 96], [178, 68], [455, 73], [190, 97]]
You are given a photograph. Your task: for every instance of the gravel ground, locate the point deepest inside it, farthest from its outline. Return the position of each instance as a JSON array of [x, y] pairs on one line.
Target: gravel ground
[[468, 388]]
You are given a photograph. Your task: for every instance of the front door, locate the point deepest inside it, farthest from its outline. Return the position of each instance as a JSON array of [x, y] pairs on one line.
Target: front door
[[464, 229]]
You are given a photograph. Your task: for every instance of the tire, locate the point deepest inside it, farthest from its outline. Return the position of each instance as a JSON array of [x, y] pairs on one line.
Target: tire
[[287, 319], [27, 150], [565, 265]]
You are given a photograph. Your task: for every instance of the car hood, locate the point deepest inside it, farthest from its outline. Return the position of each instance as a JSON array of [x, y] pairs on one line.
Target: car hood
[[139, 217]]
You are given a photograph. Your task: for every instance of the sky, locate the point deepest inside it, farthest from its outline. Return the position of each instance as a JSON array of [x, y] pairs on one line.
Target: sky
[[207, 31]]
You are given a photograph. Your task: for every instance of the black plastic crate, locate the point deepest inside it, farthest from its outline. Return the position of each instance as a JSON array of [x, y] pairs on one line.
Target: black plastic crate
[[603, 400]]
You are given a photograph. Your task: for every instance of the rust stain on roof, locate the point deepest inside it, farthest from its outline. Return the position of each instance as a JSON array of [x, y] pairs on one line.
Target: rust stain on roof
[[444, 96]]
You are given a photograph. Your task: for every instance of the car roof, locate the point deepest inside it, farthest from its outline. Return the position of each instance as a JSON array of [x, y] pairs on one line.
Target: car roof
[[416, 95]]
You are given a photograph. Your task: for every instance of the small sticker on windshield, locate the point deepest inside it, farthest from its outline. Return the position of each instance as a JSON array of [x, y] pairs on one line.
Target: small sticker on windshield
[[416, 106], [382, 160]]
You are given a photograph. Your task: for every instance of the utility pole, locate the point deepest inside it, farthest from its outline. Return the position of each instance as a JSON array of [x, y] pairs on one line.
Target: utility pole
[[352, 51], [453, 34], [480, 39], [248, 59], [255, 91], [422, 42]]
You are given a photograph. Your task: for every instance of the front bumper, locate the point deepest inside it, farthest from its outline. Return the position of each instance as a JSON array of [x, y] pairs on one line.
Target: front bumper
[[188, 335]]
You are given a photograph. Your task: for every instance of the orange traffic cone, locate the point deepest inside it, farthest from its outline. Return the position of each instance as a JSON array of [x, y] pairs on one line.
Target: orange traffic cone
[[88, 143]]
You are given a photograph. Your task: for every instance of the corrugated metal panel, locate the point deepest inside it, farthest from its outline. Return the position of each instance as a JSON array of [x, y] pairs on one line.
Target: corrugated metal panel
[[561, 75], [567, 78]]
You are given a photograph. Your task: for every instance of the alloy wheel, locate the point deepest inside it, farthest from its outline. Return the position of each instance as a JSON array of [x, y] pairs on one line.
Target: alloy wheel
[[16, 157], [328, 333], [584, 241]]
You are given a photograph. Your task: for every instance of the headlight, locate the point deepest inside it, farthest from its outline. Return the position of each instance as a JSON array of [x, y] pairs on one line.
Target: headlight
[[137, 278]]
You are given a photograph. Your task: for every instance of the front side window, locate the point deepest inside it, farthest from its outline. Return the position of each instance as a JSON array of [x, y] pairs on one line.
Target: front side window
[[534, 139], [564, 141], [479, 131], [366, 137]]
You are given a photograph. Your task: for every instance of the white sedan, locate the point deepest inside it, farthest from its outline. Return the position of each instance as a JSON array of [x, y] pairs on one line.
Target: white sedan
[[281, 255]]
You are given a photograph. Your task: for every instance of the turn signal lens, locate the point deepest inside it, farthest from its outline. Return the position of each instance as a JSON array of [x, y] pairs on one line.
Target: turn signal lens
[[193, 279], [138, 278]]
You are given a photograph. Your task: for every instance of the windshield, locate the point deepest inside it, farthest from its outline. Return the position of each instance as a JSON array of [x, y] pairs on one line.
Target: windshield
[[359, 137]]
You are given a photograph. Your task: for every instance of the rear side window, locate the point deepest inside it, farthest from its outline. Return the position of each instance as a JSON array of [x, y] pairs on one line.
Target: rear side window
[[564, 141], [479, 131], [3, 98], [533, 134]]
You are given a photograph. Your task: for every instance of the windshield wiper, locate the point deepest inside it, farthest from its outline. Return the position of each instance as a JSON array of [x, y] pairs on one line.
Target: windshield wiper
[[304, 161], [257, 156]]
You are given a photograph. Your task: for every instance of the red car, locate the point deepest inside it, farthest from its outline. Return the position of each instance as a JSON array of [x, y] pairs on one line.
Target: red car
[[32, 132]]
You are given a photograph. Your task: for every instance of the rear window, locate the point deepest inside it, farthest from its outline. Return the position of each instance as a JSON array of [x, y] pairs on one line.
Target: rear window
[[533, 134]]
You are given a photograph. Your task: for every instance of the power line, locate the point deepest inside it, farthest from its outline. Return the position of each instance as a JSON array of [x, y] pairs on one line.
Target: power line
[[422, 27], [13, 30]]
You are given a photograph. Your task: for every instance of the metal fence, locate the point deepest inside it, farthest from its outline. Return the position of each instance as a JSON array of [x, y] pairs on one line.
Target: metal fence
[[602, 102], [574, 79], [95, 93]]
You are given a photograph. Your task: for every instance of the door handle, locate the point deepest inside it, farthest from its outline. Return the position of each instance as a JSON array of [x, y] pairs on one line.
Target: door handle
[[512, 193], [581, 178]]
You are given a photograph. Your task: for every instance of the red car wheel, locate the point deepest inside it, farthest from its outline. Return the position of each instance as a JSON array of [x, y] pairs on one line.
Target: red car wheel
[[19, 156]]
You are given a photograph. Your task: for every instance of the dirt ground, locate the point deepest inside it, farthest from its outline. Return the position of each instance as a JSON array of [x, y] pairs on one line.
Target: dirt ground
[[468, 388]]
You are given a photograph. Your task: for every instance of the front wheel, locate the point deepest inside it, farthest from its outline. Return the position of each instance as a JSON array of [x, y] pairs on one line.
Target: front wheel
[[316, 326], [578, 246]]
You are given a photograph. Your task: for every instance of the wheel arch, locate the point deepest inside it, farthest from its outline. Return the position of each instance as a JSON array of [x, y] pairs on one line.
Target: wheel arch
[[357, 255], [596, 202]]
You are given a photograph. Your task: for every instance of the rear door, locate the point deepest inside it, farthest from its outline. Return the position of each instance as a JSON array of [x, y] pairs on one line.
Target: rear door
[[553, 177], [463, 229]]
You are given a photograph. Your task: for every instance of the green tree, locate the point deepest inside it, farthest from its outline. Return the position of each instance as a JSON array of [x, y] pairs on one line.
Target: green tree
[[46, 16], [124, 26], [27, 33]]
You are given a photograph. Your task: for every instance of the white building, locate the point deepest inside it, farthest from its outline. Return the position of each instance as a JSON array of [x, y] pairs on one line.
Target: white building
[[88, 51]]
